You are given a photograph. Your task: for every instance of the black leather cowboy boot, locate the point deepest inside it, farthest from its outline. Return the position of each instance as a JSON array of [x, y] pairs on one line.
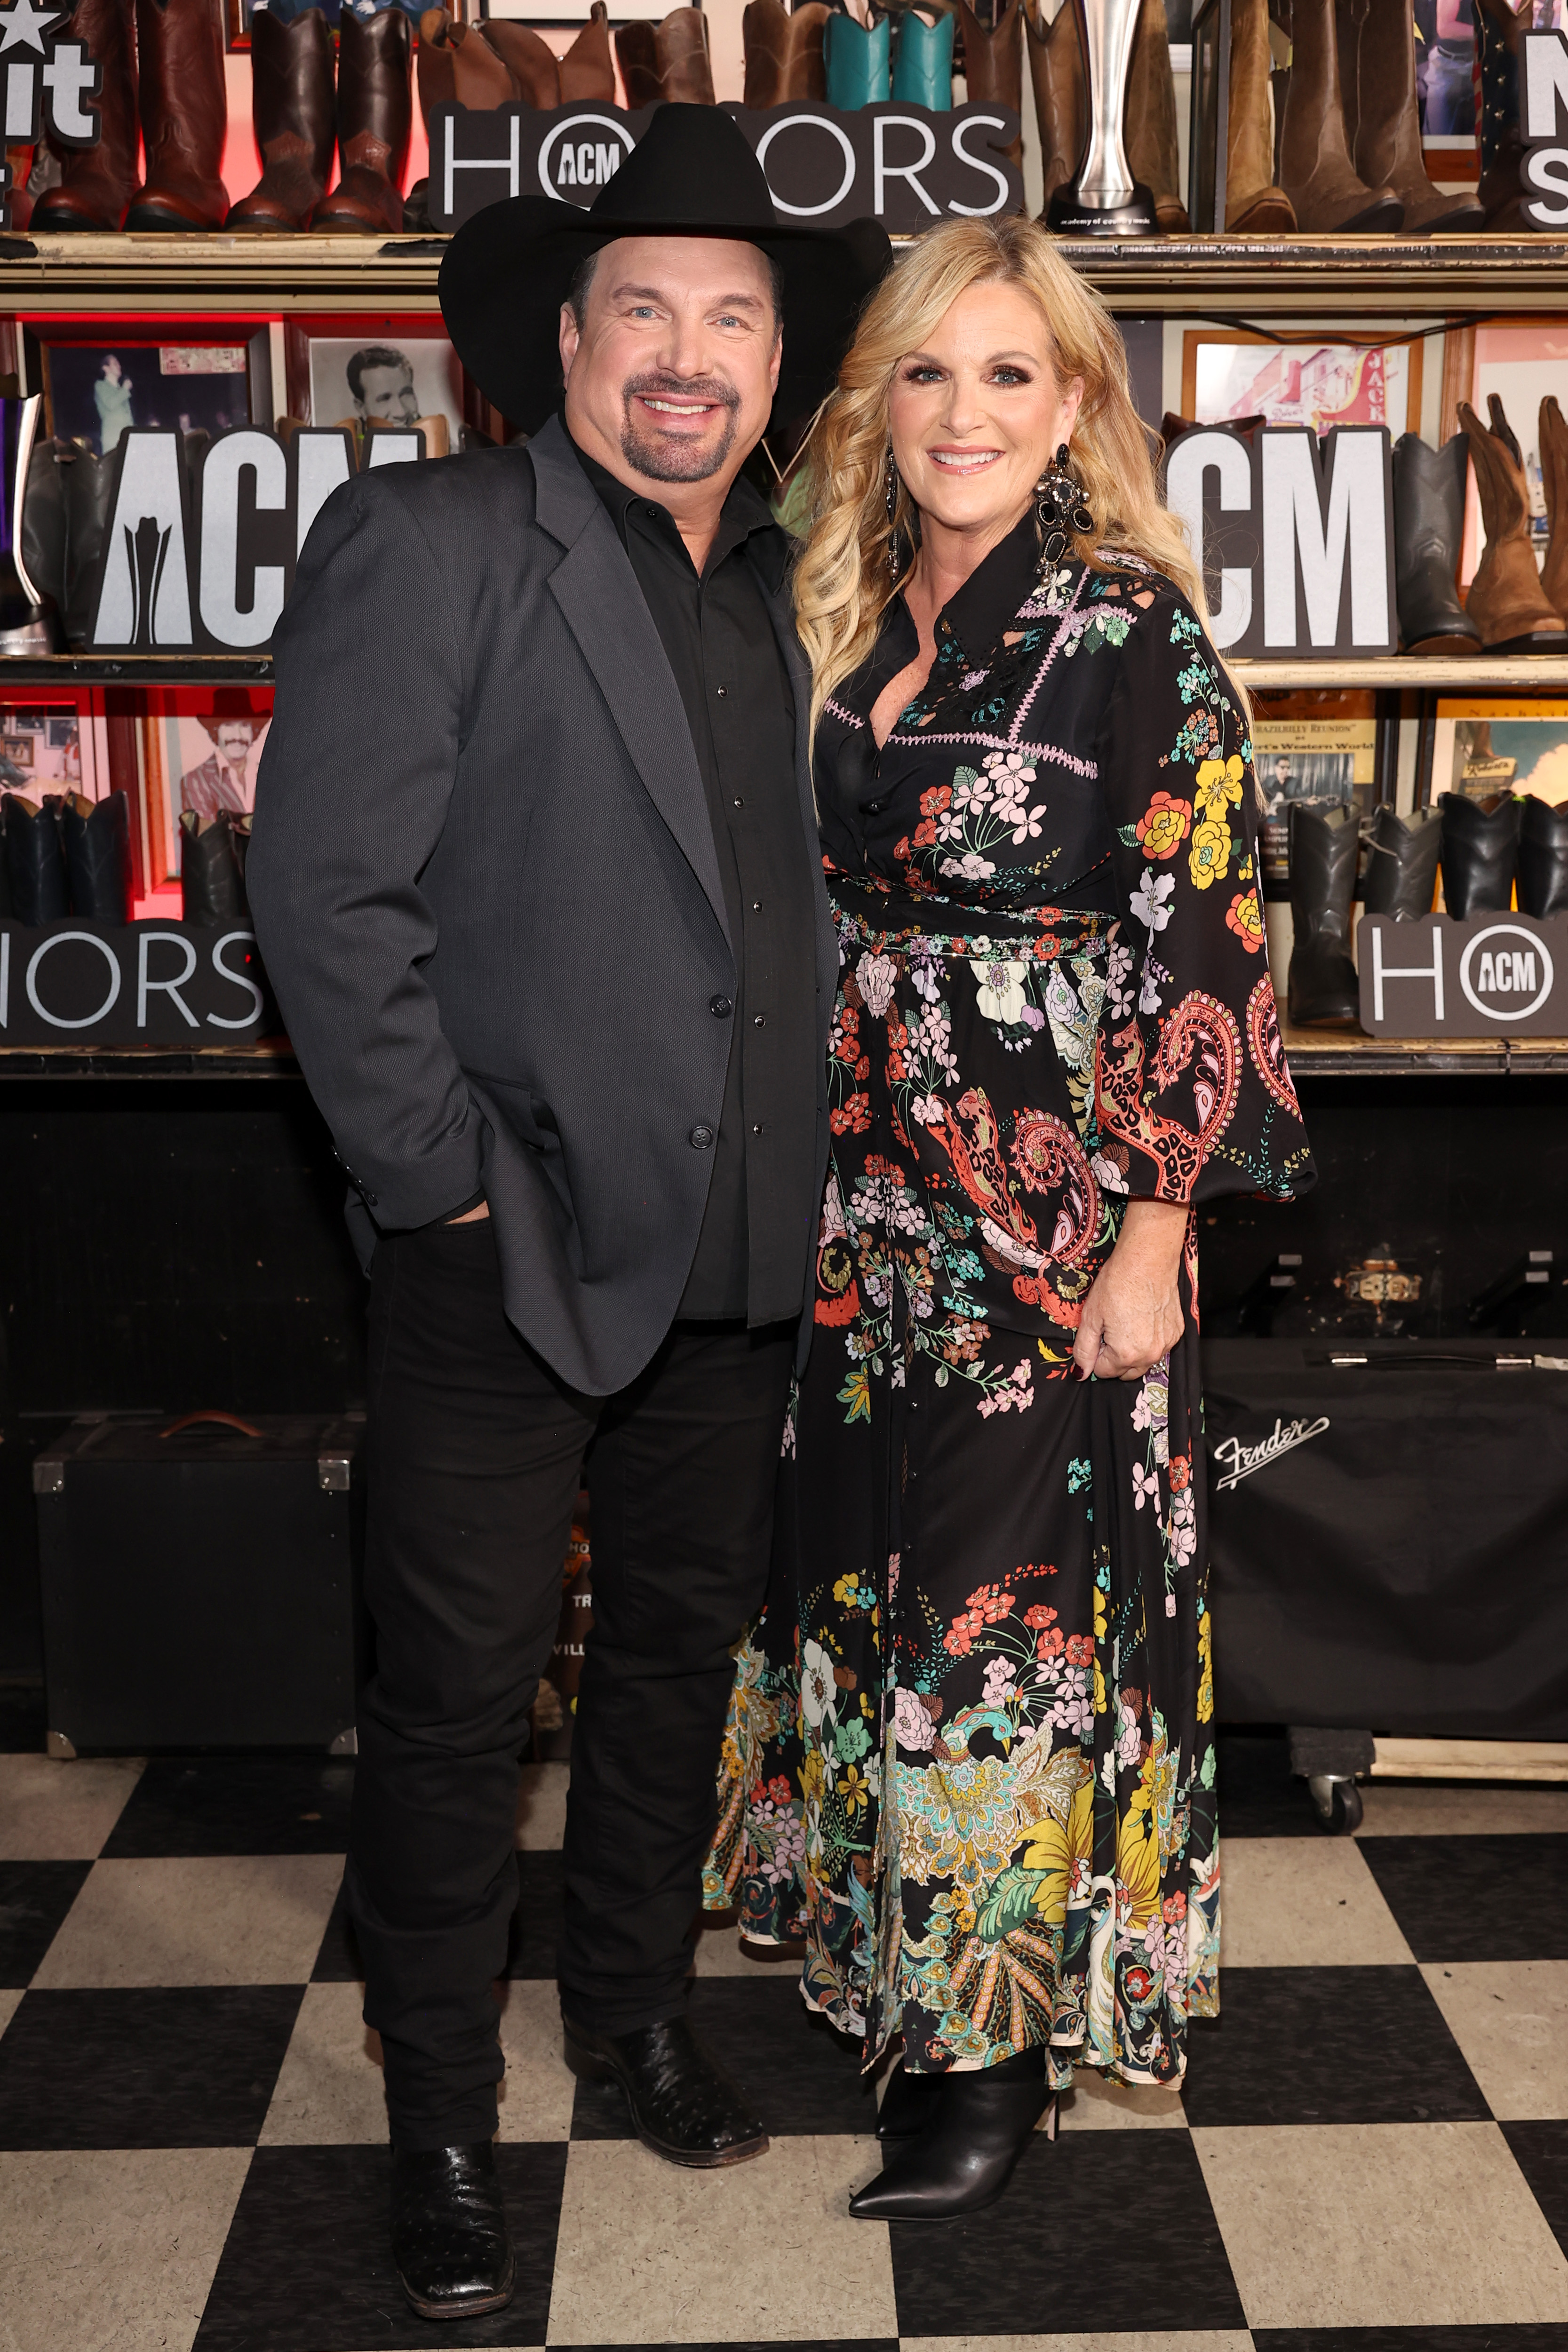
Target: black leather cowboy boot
[[1402, 864], [964, 2162], [908, 2104], [86, 484], [1543, 857], [375, 117], [212, 886], [1322, 992], [34, 862], [1480, 846], [291, 109], [1429, 523], [684, 2107], [450, 2236], [97, 837]]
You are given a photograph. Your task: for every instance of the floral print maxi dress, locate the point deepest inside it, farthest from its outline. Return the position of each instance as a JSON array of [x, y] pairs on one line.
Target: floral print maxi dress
[[970, 1759]]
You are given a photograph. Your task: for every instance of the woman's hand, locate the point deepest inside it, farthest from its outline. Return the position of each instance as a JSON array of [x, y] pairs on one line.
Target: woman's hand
[[1132, 1315]]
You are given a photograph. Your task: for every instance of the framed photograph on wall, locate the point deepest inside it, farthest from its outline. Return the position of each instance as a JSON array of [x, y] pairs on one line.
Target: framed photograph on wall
[[1483, 745], [96, 387], [388, 379], [1317, 744], [200, 748], [1229, 374], [1520, 362]]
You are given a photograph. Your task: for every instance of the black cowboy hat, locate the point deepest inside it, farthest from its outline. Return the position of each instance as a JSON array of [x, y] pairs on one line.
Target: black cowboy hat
[[507, 270]]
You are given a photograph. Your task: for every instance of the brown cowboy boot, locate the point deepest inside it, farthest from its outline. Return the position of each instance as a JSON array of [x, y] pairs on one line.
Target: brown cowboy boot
[[1377, 45], [587, 69], [1254, 206], [994, 57], [1552, 436], [374, 118], [783, 53], [291, 108], [185, 115], [535, 74], [667, 60], [1506, 600], [96, 181], [1061, 92], [1315, 168], [1153, 153]]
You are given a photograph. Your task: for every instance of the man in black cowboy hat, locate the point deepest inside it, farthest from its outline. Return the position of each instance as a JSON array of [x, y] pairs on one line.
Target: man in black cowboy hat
[[538, 888]]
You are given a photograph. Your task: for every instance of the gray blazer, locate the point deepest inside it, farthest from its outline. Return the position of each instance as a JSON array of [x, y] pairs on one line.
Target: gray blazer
[[486, 890]]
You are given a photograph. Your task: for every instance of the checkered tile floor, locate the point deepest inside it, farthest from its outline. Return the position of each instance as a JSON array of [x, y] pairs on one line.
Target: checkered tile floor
[[1372, 2151]]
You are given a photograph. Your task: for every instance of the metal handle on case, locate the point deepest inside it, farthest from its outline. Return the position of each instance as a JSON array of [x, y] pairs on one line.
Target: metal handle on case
[[228, 1420]]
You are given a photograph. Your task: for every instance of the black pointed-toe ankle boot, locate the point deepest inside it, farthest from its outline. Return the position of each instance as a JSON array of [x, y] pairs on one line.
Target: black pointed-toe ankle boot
[[1542, 862], [1429, 521], [1322, 992], [450, 2236], [964, 2161], [909, 2103], [34, 862], [96, 835], [1402, 864], [1481, 849]]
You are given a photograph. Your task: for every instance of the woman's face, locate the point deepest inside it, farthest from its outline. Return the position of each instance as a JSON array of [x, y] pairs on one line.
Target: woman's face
[[977, 414]]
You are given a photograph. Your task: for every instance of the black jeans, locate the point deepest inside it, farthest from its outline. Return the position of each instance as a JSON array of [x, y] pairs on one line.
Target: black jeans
[[475, 1455]]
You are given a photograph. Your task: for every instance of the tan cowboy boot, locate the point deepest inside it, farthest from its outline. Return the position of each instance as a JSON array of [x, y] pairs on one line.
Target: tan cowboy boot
[[1377, 54], [1061, 95], [993, 58], [587, 69], [1315, 168], [783, 53], [532, 64], [1150, 118], [667, 60], [1551, 435], [1254, 206], [1506, 600]]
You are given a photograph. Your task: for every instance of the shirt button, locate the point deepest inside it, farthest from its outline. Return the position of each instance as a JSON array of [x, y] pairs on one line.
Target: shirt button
[[759, 1021], [701, 1138], [757, 1127], [652, 513], [737, 801], [720, 1007], [756, 906], [874, 808], [720, 691]]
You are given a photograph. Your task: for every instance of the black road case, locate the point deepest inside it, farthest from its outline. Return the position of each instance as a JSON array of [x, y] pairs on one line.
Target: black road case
[[199, 1581]]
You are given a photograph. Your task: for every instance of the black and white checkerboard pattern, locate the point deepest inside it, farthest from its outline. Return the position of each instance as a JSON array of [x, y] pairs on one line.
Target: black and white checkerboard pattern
[[1372, 2151]]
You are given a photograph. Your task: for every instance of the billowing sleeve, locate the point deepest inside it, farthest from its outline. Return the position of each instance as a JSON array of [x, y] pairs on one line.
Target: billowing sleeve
[[1193, 1095]]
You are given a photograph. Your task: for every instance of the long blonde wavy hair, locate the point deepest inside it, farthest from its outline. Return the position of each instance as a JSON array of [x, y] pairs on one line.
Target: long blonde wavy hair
[[842, 581]]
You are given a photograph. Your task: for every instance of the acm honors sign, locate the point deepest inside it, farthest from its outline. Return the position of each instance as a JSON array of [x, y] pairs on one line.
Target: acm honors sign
[[1491, 975]]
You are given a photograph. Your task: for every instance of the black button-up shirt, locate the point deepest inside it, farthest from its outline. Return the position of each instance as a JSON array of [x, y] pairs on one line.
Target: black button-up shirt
[[717, 630]]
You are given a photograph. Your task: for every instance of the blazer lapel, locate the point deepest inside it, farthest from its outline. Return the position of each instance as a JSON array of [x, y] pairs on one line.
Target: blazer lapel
[[597, 591]]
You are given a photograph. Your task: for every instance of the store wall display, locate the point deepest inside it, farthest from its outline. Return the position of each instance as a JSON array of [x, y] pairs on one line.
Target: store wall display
[[147, 983], [904, 165], [1271, 511], [1490, 974]]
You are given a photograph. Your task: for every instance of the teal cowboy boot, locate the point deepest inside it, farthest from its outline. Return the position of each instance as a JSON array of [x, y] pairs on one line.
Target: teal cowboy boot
[[922, 61], [857, 62]]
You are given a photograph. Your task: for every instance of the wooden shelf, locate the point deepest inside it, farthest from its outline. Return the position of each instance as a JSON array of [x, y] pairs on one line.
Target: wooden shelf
[[135, 669], [1346, 1053], [1471, 674], [274, 1058]]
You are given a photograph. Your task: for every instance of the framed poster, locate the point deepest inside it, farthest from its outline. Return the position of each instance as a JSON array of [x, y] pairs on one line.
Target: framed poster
[[386, 380], [200, 748], [95, 388], [1318, 744], [1483, 745], [1228, 375], [1520, 362]]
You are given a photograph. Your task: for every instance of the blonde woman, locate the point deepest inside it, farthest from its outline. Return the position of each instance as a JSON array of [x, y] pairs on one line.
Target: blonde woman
[[972, 1751]]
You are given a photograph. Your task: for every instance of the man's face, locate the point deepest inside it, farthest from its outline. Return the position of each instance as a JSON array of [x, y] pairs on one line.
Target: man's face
[[673, 372], [234, 738], [388, 395]]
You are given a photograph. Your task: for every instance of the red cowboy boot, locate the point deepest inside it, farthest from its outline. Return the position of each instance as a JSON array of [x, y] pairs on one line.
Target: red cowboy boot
[[375, 114], [96, 182], [291, 108], [184, 114]]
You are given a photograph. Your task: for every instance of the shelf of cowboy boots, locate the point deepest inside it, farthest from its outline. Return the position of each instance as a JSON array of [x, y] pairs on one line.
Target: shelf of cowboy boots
[[1345, 1053], [272, 1058], [1474, 672], [1199, 277]]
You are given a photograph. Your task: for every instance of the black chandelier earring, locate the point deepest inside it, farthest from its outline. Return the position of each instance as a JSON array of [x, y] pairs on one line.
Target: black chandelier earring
[[891, 476], [1060, 508]]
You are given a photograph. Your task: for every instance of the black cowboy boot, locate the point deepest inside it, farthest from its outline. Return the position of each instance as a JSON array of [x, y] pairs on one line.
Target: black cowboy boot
[[449, 2237], [1322, 992], [965, 2159], [212, 886], [1429, 523], [1402, 865], [1543, 858], [292, 110], [34, 862], [86, 485], [43, 533], [26, 626], [97, 837], [684, 2107], [375, 117], [1480, 846], [908, 2104]]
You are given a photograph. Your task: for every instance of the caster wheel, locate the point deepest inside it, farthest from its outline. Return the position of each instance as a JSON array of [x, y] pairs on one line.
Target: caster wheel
[[1337, 1804]]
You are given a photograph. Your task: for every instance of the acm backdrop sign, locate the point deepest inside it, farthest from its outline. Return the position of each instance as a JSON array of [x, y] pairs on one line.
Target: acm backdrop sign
[[1491, 975], [150, 983], [903, 165]]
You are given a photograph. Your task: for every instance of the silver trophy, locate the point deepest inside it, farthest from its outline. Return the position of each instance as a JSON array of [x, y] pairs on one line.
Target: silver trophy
[[1103, 199]]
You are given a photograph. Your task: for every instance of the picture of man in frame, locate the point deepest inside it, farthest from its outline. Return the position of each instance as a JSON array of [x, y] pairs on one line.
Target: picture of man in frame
[[223, 778], [381, 379]]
